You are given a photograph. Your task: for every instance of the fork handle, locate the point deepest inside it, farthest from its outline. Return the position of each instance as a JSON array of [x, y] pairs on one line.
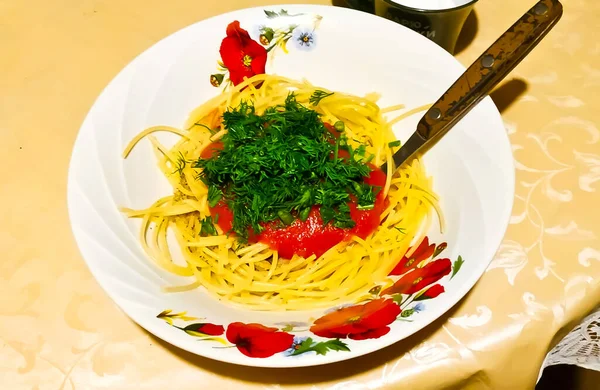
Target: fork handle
[[489, 69]]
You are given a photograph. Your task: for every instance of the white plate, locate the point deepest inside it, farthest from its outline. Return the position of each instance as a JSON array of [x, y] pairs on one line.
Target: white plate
[[353, 52]]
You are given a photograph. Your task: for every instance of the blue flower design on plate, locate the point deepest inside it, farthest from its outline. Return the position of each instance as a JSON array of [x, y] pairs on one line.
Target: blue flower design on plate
[[304, 39], [419, 307], [297, 341]]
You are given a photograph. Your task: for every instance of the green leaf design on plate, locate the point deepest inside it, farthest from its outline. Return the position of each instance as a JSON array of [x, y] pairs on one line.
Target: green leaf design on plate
[[271, 14], [420, 293], [456, 267], [169, 316], [275, 14], [397, 298], [192, 329], [203, 336], [195, 333], [407, 313], [321, 348]]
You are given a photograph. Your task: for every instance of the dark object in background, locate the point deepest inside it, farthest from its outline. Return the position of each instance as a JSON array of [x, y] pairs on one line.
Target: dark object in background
[[361, 5], [441, 26]]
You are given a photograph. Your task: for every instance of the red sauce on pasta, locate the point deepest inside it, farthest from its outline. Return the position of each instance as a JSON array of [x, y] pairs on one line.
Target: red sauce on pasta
[[305, 238], [309, 237]]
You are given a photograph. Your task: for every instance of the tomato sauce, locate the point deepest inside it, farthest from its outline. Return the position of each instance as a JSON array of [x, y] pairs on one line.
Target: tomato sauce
[[223, 214], [305, 238], [212, 150]]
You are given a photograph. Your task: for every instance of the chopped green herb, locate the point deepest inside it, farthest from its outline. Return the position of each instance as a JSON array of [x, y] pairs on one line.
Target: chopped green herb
[[214, 195], [278, 165], [342, 218], [327, 214], [180, 164], [317, 96], [401, 230], [366, 207], [207, 227], [339, 126], [212, 131], [303, 214], [285, 217], [366, 196], [394, 143], [360, 151]]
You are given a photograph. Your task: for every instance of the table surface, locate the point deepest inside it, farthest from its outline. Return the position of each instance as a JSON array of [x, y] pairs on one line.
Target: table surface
[[59, 330]]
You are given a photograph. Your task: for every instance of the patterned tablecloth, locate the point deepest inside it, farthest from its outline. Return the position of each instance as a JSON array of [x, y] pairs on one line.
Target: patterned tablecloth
[[59, 330]]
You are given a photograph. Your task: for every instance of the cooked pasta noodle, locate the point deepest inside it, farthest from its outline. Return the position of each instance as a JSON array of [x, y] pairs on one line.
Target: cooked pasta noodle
[[253, 275]]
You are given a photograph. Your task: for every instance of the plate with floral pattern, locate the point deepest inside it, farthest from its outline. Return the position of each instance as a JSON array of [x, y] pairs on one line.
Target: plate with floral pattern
[[335, 47]]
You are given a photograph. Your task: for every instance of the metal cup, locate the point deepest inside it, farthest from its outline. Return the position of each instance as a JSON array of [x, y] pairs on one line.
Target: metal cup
[[442, 26]]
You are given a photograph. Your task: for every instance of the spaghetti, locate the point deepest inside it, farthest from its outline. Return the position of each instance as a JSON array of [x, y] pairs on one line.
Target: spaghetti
[[253, 274]]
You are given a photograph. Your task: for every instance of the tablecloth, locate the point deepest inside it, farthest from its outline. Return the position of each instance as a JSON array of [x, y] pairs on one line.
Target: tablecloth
[[59, 330]]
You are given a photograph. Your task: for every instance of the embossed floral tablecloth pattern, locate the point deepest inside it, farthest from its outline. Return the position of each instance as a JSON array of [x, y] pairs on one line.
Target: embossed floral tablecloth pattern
[[58, 330]]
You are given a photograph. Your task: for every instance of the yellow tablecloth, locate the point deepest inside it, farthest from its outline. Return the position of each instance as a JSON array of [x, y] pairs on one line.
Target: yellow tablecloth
[[59, 330]]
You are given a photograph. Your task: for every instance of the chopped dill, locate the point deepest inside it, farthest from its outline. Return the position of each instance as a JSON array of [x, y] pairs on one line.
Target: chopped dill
[[179, 164], [278, 165], [207, 227], [401, 230], [317, 96]]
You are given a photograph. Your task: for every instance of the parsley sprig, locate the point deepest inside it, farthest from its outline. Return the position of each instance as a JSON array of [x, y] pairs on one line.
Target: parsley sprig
[[278, 165]]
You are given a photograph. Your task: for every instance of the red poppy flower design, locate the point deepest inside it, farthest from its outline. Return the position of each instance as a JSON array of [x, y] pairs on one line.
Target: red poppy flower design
[[210, 329], [241, 55], [420, 278], [258, 341], [360, 322], [423, 252], [431, 292]]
